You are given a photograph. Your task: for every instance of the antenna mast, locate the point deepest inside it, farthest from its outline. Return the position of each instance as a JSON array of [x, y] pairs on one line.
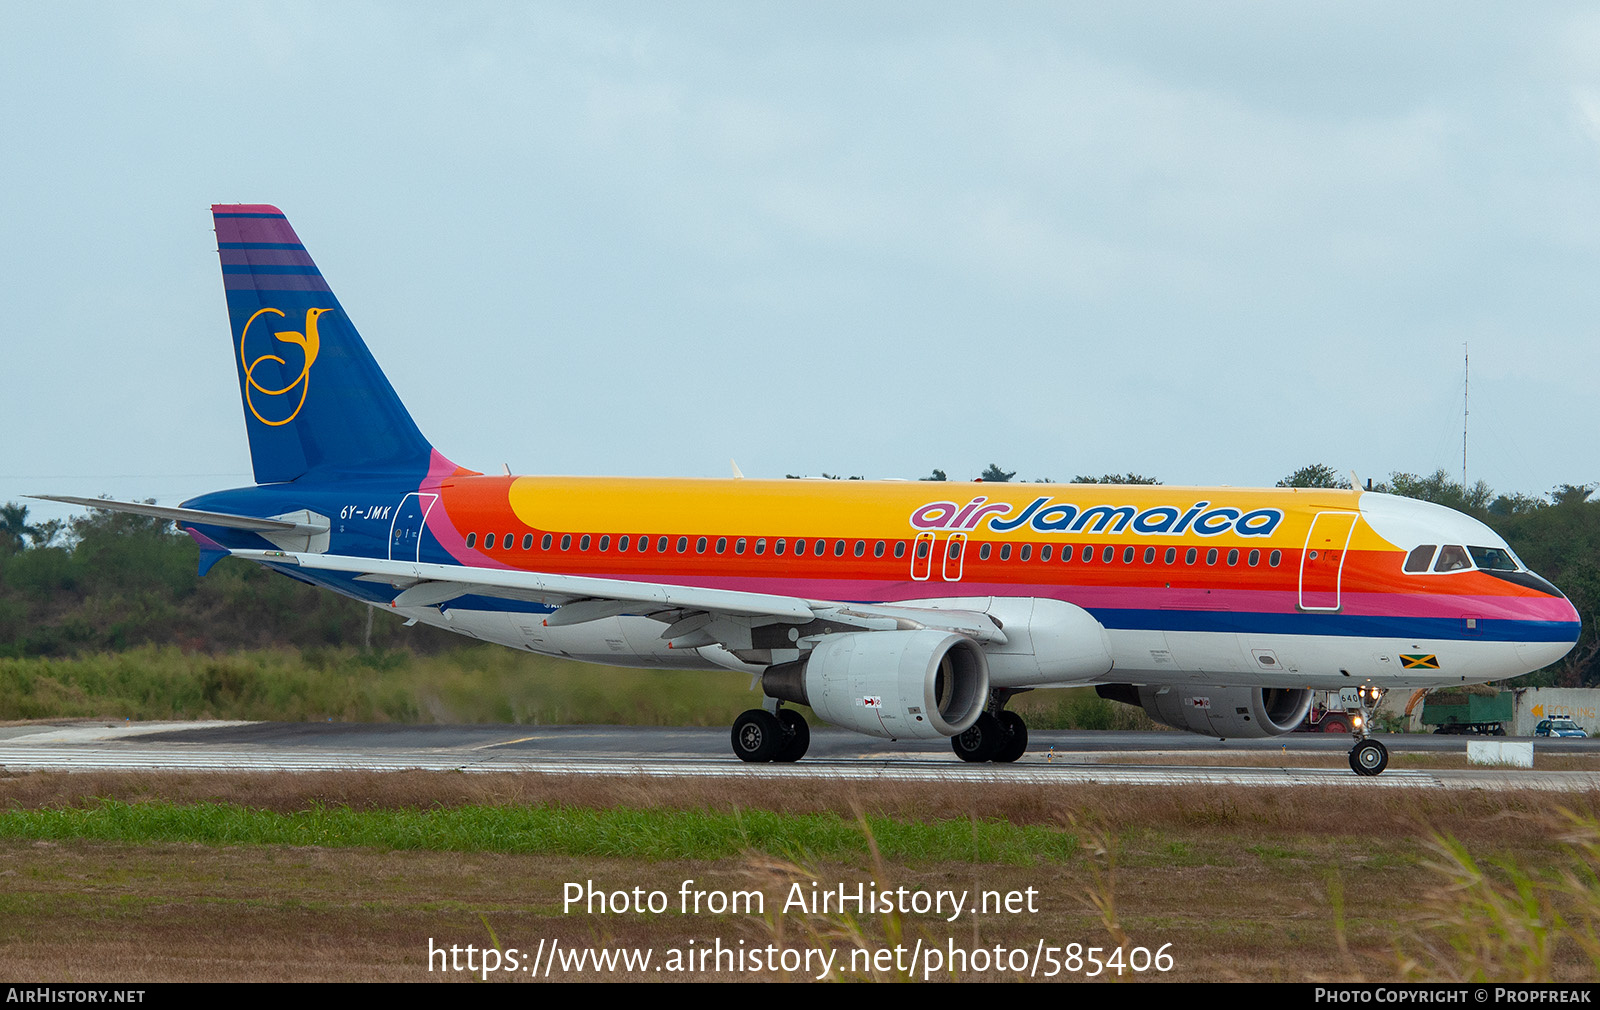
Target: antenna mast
[[1465, 381]]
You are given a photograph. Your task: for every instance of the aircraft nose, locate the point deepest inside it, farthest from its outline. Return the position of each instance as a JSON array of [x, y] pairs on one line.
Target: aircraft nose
[[1564, 626]]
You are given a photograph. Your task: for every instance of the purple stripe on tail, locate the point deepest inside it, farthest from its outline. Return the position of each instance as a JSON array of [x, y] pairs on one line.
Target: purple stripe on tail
[[232, 228]]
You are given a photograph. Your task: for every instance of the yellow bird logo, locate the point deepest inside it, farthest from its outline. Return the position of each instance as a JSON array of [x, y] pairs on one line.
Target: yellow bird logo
[[309, 343]]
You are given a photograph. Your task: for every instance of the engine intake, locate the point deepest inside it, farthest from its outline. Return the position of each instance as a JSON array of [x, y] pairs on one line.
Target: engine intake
[[902, 685]]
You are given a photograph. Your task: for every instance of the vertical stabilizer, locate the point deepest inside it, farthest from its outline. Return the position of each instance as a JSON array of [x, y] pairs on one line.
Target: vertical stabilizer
[[315, 401]]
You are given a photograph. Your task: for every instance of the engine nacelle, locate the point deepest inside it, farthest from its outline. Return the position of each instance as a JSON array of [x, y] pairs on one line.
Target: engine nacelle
[[903, 685], [1217, 711]]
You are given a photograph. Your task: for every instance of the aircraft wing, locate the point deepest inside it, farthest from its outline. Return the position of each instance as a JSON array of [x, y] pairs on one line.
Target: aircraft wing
[[694, 615]]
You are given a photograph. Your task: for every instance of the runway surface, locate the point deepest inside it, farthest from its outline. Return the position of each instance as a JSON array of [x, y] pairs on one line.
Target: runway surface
[[1054, 758]]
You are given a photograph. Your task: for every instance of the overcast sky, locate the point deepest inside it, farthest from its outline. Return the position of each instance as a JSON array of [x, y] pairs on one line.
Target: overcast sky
[[1208, 243]]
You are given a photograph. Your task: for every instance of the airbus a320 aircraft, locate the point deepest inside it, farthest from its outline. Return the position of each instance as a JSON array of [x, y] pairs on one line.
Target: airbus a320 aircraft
[[905, 610]]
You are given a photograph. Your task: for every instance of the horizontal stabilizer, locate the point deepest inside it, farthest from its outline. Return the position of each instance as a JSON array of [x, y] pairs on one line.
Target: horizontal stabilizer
[[192, 516]]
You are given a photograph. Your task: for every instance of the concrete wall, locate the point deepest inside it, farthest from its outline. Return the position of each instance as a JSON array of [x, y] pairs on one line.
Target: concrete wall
[[1581, 705]]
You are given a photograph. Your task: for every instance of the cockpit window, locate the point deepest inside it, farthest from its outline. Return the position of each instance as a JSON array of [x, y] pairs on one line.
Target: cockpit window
[[1494, 559], [1452, 559], [1417, 560]]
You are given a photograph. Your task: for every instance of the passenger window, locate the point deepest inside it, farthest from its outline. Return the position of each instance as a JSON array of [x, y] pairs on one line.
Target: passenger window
[[661, 545], [722, 544], [605, 543], [799, 547], [877, 550], [683, 545], [861, 547], [700, 546], [488, 541], [1452, 559], [583, 543], [761, 546], [838, 548], [777, 547], [1274, 558], [1419, 559], [1149, 555], [1172, 555], [527, 541], [1044, 553], [1190, 555], [622, 544], [1108, 554], [544, 544], [1026, 552], [922, 549], [472, 538], [899, 548], [1088, 553], [1255, 558], [566, 541], [954, 550], [1211, 556], [1005, 552], [738, 546], [644, 545], [1233, 558], [1127, 555], [983, 552]]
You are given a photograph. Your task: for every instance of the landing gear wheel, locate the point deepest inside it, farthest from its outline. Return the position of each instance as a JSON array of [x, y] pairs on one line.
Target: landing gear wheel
[[1014, 739], [798, 736], [1369, 757], [980, 741], [758, 736]]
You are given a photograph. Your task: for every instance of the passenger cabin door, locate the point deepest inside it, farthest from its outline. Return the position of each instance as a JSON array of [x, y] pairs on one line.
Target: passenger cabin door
[[405, 535], [1322, 561], [954, 548]]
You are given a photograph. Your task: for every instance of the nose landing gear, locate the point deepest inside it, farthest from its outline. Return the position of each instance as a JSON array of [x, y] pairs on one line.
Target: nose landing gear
[[1368, 756]]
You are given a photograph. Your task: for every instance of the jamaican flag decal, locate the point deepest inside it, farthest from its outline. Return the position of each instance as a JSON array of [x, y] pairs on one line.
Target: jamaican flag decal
[[1419, 662]]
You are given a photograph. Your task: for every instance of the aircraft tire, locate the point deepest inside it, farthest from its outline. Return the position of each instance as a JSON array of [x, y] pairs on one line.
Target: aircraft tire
[[757, 736], [1014, 743], [980, 741], [798, 736], [1369, 757]]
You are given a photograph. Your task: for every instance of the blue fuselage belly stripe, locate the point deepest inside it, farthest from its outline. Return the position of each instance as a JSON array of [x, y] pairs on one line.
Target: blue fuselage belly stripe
[[1341, 625]]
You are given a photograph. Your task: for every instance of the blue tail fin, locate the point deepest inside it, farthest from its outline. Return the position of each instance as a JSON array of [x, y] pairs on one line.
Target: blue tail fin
[[315, 401]]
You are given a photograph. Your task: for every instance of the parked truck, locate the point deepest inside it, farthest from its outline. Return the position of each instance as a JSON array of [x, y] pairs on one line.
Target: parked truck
[[1469, 712]]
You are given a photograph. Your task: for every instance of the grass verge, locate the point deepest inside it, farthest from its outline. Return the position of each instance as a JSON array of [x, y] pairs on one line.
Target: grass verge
[[616, 832]]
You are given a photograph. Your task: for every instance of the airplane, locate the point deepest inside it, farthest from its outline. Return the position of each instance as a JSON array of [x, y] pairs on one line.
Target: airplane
[[898, 609]]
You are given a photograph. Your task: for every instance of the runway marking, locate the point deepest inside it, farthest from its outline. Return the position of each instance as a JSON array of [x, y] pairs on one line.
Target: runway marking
[[1059, 773], [508, 743]]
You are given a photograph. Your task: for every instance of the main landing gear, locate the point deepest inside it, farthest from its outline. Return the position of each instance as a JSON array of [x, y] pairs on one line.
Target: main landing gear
[[1368, 757], [759, 735], [998, 735]]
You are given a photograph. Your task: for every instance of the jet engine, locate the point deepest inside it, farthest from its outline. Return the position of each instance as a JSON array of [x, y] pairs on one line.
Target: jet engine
[[903, 685], [1217, 711]]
